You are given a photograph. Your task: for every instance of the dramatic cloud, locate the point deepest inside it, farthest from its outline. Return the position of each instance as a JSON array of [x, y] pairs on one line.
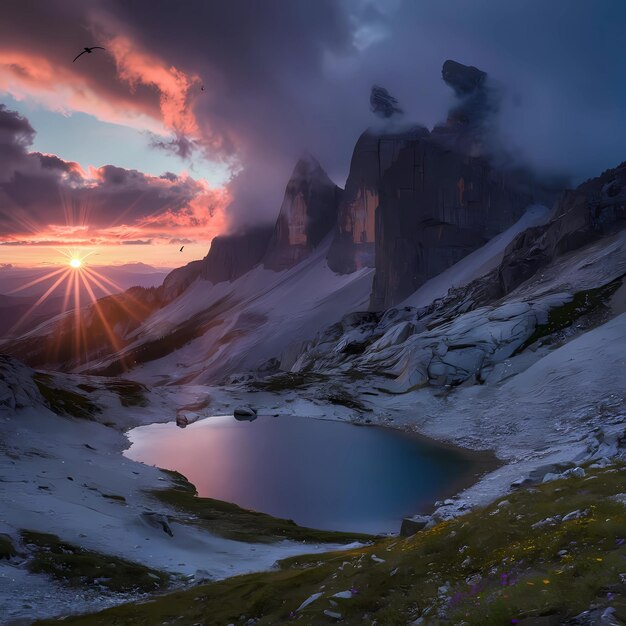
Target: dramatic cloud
[[45, 200], [282, 77]]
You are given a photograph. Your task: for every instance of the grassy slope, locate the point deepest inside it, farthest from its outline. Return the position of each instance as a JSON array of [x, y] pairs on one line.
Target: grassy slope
[[64, 401], [78, 567], [487, 567], [233, 522]]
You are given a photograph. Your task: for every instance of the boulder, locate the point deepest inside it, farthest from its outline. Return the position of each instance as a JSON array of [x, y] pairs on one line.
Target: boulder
[[246, 413], [332, 614], [412, 525], [309, 600], [157, 520], [18, 390]]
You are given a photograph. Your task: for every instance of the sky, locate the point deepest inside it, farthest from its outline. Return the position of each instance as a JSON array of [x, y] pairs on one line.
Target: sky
[[190, 122]]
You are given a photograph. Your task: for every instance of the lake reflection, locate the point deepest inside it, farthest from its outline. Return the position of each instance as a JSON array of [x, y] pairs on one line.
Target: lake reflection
[[319, 473]]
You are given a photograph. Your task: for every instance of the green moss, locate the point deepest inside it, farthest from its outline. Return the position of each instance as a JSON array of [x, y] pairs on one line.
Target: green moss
[[63, 401], [7, 549], [496, 566], [582, 303], [130, 392], [79, 567], [233, 522]]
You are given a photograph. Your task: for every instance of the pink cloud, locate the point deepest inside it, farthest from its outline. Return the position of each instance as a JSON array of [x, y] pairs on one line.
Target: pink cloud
[[67, 89], [136, 66]]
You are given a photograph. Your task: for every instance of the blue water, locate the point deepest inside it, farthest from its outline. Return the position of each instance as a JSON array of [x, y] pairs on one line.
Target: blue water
[[321, 474]]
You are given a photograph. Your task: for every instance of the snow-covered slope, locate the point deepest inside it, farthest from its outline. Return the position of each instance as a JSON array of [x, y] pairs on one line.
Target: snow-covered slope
[[243, 323]]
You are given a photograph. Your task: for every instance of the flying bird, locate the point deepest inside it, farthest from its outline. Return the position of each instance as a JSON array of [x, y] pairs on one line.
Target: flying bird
[[202, 88], [89, 51], [181, 248]]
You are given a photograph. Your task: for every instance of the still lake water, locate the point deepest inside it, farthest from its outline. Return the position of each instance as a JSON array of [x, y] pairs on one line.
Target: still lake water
[[319, 473]]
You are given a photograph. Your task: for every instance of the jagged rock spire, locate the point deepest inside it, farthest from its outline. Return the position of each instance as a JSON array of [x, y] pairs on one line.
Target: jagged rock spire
[[383, 104]]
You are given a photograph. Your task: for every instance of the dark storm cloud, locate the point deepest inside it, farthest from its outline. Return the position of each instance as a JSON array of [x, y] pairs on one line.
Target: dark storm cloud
[[283, 77], [15, 135], [42, 194], [286, 76]]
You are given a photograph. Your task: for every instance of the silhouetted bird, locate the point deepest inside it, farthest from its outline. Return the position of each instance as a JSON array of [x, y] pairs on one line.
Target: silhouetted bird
[[202, 88], [89, 51], [181, 248]]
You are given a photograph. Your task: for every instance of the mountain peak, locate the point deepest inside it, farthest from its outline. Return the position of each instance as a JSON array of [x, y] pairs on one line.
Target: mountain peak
[[464, 79], [383, 104], [308, 213]]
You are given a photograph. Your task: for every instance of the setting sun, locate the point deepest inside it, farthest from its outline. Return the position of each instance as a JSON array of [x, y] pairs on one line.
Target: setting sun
[[76, 263]]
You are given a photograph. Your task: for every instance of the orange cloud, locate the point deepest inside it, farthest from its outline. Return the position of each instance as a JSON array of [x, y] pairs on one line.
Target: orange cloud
[[66, 89], [202, 218], [174, 86]]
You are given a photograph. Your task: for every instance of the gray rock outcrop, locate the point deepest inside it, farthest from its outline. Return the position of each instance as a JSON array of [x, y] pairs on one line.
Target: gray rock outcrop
[[17, 388], [417, 202], [383, 104], [476, 103], [307, 214]]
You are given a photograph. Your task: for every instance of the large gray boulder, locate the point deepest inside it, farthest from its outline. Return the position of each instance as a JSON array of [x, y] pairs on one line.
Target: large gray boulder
[[17, 388]]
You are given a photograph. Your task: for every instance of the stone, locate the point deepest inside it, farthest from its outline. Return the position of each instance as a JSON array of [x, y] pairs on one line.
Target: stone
[[577, 514], [17, 387], [549, 477], [412, 525], [575, 472], [157, 520], [202, 575], [309, 600], [245, 413], [395, 335], [332, 614]]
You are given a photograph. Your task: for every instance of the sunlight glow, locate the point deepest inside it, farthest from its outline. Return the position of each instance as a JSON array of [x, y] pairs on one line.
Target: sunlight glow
[[78, 280]]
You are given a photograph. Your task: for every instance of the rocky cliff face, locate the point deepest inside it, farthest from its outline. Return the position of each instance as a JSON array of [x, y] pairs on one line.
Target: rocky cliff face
[[466, 126], [231, 256], [554, 283], [594, 209], [416, 202], [308, 213], [436, 206], [355, 233]]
